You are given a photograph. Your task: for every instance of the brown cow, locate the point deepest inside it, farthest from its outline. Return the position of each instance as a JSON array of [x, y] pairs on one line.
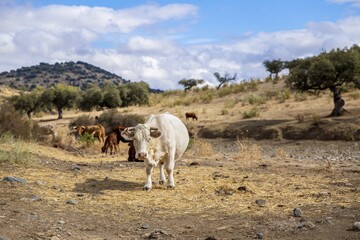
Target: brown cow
[[97, 131], [110, 142], [191, 115], [131, 151]]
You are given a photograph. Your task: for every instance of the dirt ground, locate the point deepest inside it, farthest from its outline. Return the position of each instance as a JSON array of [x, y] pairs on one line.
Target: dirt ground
[[225, 189]]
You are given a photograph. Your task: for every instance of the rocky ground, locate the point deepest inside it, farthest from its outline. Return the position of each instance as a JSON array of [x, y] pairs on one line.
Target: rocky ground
[[273, 190]]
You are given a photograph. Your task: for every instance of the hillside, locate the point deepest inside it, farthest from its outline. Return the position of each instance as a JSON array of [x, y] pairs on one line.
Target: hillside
[[79, 74]]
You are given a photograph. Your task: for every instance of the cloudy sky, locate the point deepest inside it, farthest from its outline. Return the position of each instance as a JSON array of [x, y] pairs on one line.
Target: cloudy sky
[[163, 41]]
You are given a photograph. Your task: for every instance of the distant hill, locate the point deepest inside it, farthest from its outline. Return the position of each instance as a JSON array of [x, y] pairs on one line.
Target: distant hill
[[79, 74]]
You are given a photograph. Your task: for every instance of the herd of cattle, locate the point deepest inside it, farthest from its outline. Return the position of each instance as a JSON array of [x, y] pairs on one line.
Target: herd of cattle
[[111, 141], [160, 141]]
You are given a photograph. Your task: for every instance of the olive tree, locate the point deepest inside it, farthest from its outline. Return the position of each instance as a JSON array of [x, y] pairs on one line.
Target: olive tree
[[224, 79], [190, 83], [60, 96], [328, 70], [274, 67], [91, 98], [28, 102]]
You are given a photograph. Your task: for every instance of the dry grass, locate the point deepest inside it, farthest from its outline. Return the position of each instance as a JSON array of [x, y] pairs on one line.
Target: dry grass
[[197, 191], [248, 150]]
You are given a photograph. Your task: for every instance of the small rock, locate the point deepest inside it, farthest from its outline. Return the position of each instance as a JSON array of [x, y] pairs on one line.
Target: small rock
[[144, 226], [297, 212], [260, 202], [194, 164], [243, 189], [308, 225], [71, 202], [61, 222], [211, 238], [55, 238], [14, 179], [75, 167], [35, 198], [356, 226], [259, 236]]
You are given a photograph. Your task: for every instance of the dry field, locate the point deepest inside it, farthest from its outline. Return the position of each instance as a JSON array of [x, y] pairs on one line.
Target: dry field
[[226, 188]]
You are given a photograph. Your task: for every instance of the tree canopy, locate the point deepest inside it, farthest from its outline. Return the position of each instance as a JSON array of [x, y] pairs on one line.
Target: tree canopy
[[190, 83], [224, 79], [328, 70], [274, 67]]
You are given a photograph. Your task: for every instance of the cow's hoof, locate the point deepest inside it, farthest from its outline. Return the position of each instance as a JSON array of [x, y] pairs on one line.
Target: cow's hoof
[[171, 187], [162, 182], [147, 188]]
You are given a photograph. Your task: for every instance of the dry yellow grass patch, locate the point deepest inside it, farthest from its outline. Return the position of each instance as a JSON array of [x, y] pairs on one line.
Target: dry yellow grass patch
[[248, 150]]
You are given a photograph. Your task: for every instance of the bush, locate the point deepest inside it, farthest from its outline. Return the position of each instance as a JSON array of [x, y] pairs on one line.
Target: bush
[[83, 120], [113, 118], [87, 139], [254, 112], [16, 124], [282, 96], [255, 99], [19, 152]]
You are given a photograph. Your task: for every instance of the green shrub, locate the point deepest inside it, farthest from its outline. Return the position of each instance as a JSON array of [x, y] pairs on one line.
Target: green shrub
[[255, 99], [87, 139], [282, 96], [254, 112]]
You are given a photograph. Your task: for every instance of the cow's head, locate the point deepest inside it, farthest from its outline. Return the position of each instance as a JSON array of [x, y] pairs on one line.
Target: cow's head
[[141, 136], [79, 129]]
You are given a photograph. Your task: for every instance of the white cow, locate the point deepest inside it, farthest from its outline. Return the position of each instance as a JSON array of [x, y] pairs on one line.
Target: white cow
[[161, 139]]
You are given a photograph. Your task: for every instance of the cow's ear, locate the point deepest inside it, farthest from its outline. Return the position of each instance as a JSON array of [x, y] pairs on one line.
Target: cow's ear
[[155, 133], [128, 133]]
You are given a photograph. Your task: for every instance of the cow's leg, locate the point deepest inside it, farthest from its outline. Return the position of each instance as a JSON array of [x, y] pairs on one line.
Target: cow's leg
[[170, 164], [162, 175], [148, 184]]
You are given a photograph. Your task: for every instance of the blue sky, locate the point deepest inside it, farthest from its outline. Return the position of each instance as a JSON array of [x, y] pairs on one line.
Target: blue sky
[[162, 41]]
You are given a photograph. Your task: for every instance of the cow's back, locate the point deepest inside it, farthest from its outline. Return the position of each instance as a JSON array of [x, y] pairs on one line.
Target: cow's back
[[174, 132]]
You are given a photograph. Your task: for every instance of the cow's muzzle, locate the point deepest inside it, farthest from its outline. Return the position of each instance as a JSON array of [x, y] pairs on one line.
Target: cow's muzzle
[[142, 156]]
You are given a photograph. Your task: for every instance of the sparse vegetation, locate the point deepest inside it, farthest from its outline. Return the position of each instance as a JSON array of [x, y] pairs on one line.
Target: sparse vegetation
[[248, 151], [17, 153], [254, 112]]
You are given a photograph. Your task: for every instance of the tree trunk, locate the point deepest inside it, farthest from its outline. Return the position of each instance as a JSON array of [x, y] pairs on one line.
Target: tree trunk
[[60, 113], [338, 103]]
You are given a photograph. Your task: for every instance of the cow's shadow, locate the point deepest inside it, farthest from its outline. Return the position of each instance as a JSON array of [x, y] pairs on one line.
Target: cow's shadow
[[96, 186]]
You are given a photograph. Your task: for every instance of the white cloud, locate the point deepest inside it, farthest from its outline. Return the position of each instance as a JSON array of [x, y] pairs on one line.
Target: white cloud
[[355, 3], [53, 33]]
